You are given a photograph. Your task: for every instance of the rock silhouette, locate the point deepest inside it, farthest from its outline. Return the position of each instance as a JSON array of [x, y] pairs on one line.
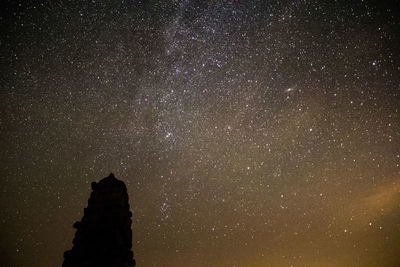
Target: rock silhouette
[[103, 236]]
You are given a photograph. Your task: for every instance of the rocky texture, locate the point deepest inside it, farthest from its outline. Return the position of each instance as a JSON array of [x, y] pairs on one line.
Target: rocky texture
[[103, 236]]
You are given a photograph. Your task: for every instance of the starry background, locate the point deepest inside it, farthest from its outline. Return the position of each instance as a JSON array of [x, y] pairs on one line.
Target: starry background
[[249, 133]]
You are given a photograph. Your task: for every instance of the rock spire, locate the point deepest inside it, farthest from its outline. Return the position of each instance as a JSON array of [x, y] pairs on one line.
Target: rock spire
[[103, 237]]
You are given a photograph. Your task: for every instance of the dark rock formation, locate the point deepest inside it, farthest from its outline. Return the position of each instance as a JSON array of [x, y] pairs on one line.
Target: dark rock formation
[[103, 236]]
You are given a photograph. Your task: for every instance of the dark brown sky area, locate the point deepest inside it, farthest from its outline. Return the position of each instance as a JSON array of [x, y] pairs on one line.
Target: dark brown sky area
[[248, 133]]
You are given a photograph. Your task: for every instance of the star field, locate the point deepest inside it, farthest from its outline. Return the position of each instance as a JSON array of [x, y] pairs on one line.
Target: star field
[[248, 133]]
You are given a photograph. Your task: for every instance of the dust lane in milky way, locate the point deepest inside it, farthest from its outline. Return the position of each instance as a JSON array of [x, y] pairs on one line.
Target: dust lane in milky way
[[249, 133]]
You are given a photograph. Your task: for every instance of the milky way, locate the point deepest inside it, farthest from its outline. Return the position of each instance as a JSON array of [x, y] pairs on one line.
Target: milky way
[[249, 133]]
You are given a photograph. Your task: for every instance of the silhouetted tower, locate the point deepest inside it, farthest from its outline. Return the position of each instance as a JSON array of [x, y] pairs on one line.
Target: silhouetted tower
[[103, 237]]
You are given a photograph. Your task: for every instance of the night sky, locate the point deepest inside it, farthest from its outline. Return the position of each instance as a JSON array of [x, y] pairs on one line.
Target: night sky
[[248, 133]]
